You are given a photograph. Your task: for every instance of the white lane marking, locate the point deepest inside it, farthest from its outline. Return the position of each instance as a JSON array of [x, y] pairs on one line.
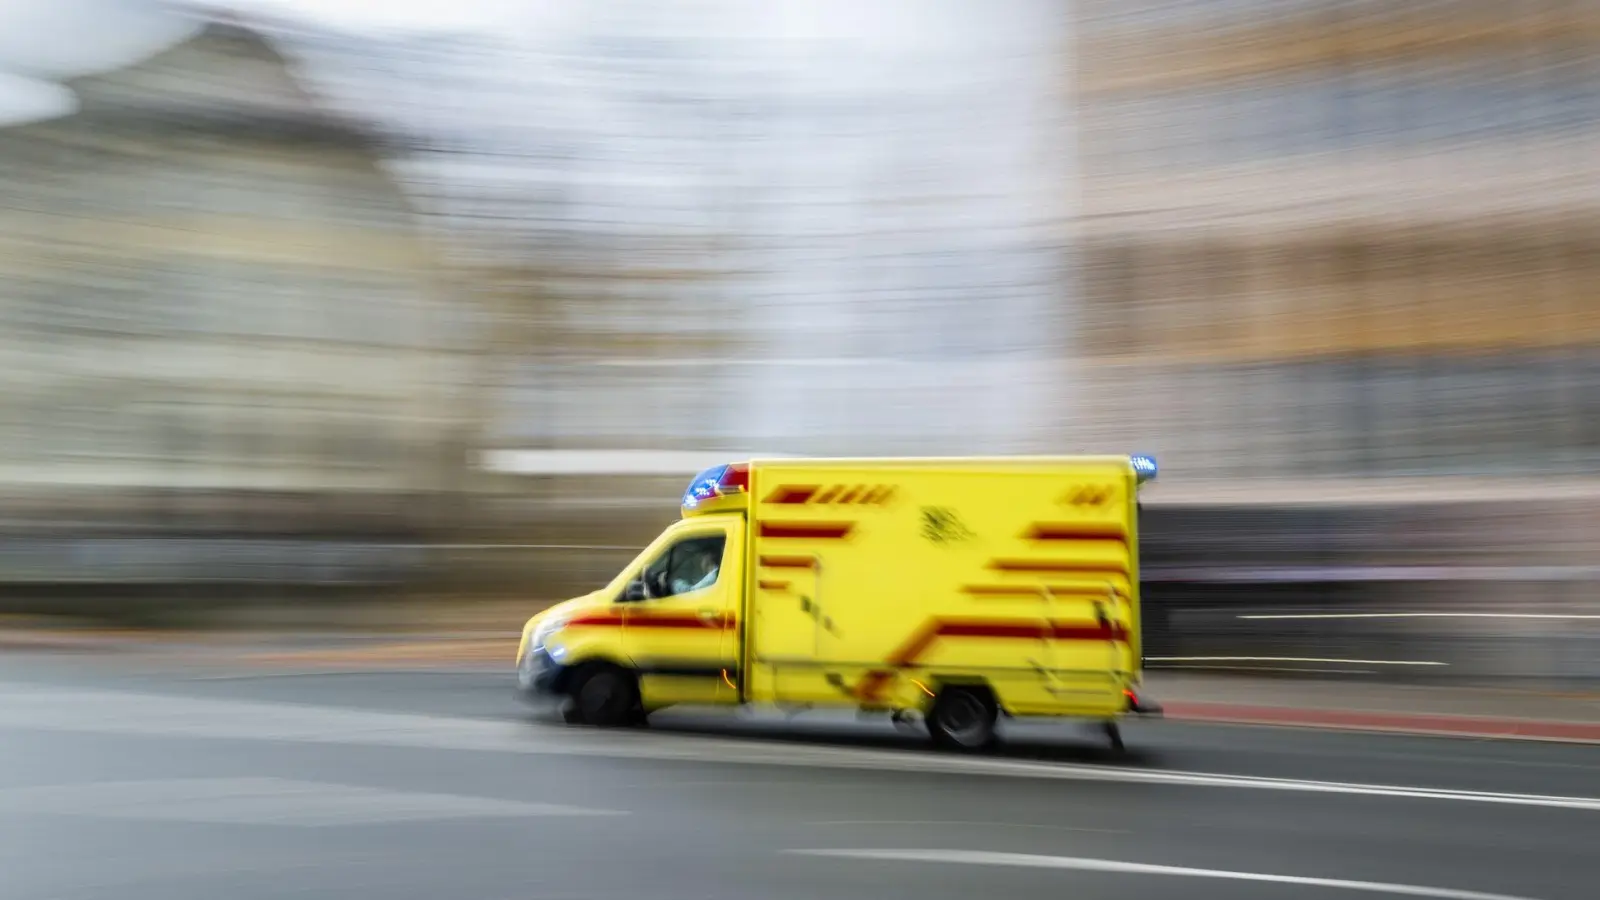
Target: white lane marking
[[1425, 615], [1297, 659], [989, 858], [159, 716], [934, 823], [266, 801]]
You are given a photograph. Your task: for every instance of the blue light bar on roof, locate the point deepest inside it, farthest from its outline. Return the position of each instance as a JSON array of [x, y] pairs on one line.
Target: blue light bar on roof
[[717, 481], [704, 487], [1144, 467]]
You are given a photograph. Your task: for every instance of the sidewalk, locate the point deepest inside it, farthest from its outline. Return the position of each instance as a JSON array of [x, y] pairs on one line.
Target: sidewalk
[[1346, 705], [1366, 706]]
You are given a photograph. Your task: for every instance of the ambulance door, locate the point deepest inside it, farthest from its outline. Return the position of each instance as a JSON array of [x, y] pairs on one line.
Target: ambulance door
[[680, 637]]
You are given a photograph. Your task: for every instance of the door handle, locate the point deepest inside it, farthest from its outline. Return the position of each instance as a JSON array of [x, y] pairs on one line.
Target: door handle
[[709, 615]]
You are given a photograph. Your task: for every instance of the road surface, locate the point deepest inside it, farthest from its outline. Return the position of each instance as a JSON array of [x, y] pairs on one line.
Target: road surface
[[166, 785]]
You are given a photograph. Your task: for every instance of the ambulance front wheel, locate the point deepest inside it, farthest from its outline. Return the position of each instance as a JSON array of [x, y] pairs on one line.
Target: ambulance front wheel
[[605, 696], [963, 718]]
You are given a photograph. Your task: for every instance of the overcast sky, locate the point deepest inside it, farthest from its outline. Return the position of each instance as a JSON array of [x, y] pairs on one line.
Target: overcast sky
[[417, 16], [45, 42]]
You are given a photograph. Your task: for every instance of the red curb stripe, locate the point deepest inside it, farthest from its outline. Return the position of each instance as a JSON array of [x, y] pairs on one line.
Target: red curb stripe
[[1461, 726]]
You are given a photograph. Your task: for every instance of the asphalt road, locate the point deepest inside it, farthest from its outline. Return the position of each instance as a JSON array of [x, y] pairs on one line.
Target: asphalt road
[[165, 785]]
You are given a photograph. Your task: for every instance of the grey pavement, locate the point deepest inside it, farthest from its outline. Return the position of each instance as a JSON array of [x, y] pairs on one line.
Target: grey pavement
[[169, 785], [1193, 694]]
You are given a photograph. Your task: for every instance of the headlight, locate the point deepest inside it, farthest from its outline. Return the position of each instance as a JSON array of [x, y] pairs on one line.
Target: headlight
[[543, 632]]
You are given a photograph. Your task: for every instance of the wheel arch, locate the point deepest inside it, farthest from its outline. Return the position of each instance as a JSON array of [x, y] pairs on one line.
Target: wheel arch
[[572, 674]]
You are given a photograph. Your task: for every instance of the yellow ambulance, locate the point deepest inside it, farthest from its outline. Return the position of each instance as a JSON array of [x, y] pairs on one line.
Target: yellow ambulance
[[954, 591]]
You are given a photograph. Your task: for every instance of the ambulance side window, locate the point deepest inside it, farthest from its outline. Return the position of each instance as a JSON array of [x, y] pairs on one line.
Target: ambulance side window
[[692, 564]]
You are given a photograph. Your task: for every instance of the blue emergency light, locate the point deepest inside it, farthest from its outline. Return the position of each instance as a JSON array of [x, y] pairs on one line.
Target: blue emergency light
[[717, 481], [1144, 468]]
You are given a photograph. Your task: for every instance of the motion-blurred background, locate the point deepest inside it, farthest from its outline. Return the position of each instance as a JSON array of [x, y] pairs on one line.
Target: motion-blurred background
[[318, 307]]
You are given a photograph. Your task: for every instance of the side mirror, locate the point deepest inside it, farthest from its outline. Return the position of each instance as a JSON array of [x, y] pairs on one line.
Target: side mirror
[[635, 592]]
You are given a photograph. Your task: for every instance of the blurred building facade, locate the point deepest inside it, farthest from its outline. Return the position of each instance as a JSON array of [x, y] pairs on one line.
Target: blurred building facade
[[1339, 273], [218, 315], [1302, 238], [1343, 237]]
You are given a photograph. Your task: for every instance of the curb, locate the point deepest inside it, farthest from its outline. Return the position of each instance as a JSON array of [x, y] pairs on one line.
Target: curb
[[1422, 725]]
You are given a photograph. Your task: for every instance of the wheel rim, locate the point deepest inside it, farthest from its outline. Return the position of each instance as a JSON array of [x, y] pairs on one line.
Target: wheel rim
[[964, 718]]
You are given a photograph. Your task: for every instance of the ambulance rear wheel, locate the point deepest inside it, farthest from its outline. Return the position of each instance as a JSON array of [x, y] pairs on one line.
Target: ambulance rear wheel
[[963, 718], [606, 697]]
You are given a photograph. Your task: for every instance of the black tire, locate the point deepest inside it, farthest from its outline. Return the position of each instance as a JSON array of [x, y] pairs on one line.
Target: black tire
[[606, 697], [964, 718]]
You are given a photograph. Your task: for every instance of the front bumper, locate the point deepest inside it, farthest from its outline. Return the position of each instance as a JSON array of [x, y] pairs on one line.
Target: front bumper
[[539, 676]]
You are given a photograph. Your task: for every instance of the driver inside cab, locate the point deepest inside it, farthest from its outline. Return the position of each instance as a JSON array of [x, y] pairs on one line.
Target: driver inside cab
[[698, 571], [690, 566]]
